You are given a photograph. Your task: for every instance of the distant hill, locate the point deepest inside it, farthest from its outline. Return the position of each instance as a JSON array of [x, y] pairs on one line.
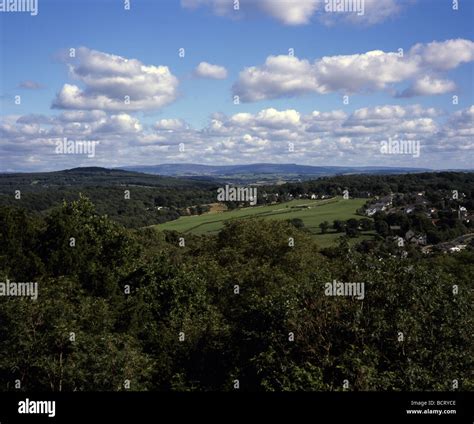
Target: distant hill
[[93, 176], [153, 198], [285, 171]]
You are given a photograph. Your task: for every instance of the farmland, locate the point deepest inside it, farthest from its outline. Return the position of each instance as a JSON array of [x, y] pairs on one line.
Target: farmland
[[311, 212]]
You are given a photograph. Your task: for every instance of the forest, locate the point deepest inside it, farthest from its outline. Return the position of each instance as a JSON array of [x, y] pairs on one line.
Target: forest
[[246, 309], [130, 198]]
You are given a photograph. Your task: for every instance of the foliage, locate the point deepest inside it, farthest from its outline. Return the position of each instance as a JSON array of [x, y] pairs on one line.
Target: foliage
[[247, 304]]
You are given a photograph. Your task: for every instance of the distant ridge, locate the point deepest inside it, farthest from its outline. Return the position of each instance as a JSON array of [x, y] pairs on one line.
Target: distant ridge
[[191, 169]]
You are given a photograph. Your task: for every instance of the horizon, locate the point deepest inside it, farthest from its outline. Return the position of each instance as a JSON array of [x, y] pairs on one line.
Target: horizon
[[283, 82], [124, 168]]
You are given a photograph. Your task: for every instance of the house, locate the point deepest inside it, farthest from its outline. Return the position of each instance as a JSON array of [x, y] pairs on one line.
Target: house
[[380, 205], [377, 207], [457, 248], [313, 196], [386, 200]]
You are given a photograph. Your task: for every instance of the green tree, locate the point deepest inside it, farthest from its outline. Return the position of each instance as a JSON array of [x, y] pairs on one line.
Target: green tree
[[324, 227]]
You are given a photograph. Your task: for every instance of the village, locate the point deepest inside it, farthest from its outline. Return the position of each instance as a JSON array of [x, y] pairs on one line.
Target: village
[[446, 213]]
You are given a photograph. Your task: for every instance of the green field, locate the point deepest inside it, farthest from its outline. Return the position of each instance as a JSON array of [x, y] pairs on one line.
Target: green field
[[311, 212]]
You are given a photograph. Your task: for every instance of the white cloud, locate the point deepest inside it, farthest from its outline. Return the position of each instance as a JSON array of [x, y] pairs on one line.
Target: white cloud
[[207, 70], [319, 137], [380, 114], [121, 123], [114, 83], [280, 76], [272, 118], [288, 76], [416, 126], [290, 12], [171, 125], [446, 54], [428, 86], [460, 127]]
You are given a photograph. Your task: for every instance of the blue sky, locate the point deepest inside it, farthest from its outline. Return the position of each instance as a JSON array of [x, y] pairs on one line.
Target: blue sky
[[288, 100]]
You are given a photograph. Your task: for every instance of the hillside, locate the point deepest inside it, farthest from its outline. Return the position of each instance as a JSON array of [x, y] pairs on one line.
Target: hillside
[[107, 189]]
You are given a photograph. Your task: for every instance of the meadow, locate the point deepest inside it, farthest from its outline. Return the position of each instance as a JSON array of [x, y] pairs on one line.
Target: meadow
[[311, 212]]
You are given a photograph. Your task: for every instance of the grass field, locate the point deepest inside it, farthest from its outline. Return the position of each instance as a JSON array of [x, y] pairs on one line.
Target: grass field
[[311, 212]]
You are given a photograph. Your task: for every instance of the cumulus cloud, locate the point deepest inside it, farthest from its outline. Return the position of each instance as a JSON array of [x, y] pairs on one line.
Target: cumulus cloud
[[269, 118], [460, 127], [207, 70], [379, 115], [171, 125], [280, 76], [444, 55], [289, 76], [121, 123], [318, 137], [114, 83], [428, 86]]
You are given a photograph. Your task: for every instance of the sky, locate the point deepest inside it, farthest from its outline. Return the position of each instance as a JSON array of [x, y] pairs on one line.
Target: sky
[[316, 82]]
